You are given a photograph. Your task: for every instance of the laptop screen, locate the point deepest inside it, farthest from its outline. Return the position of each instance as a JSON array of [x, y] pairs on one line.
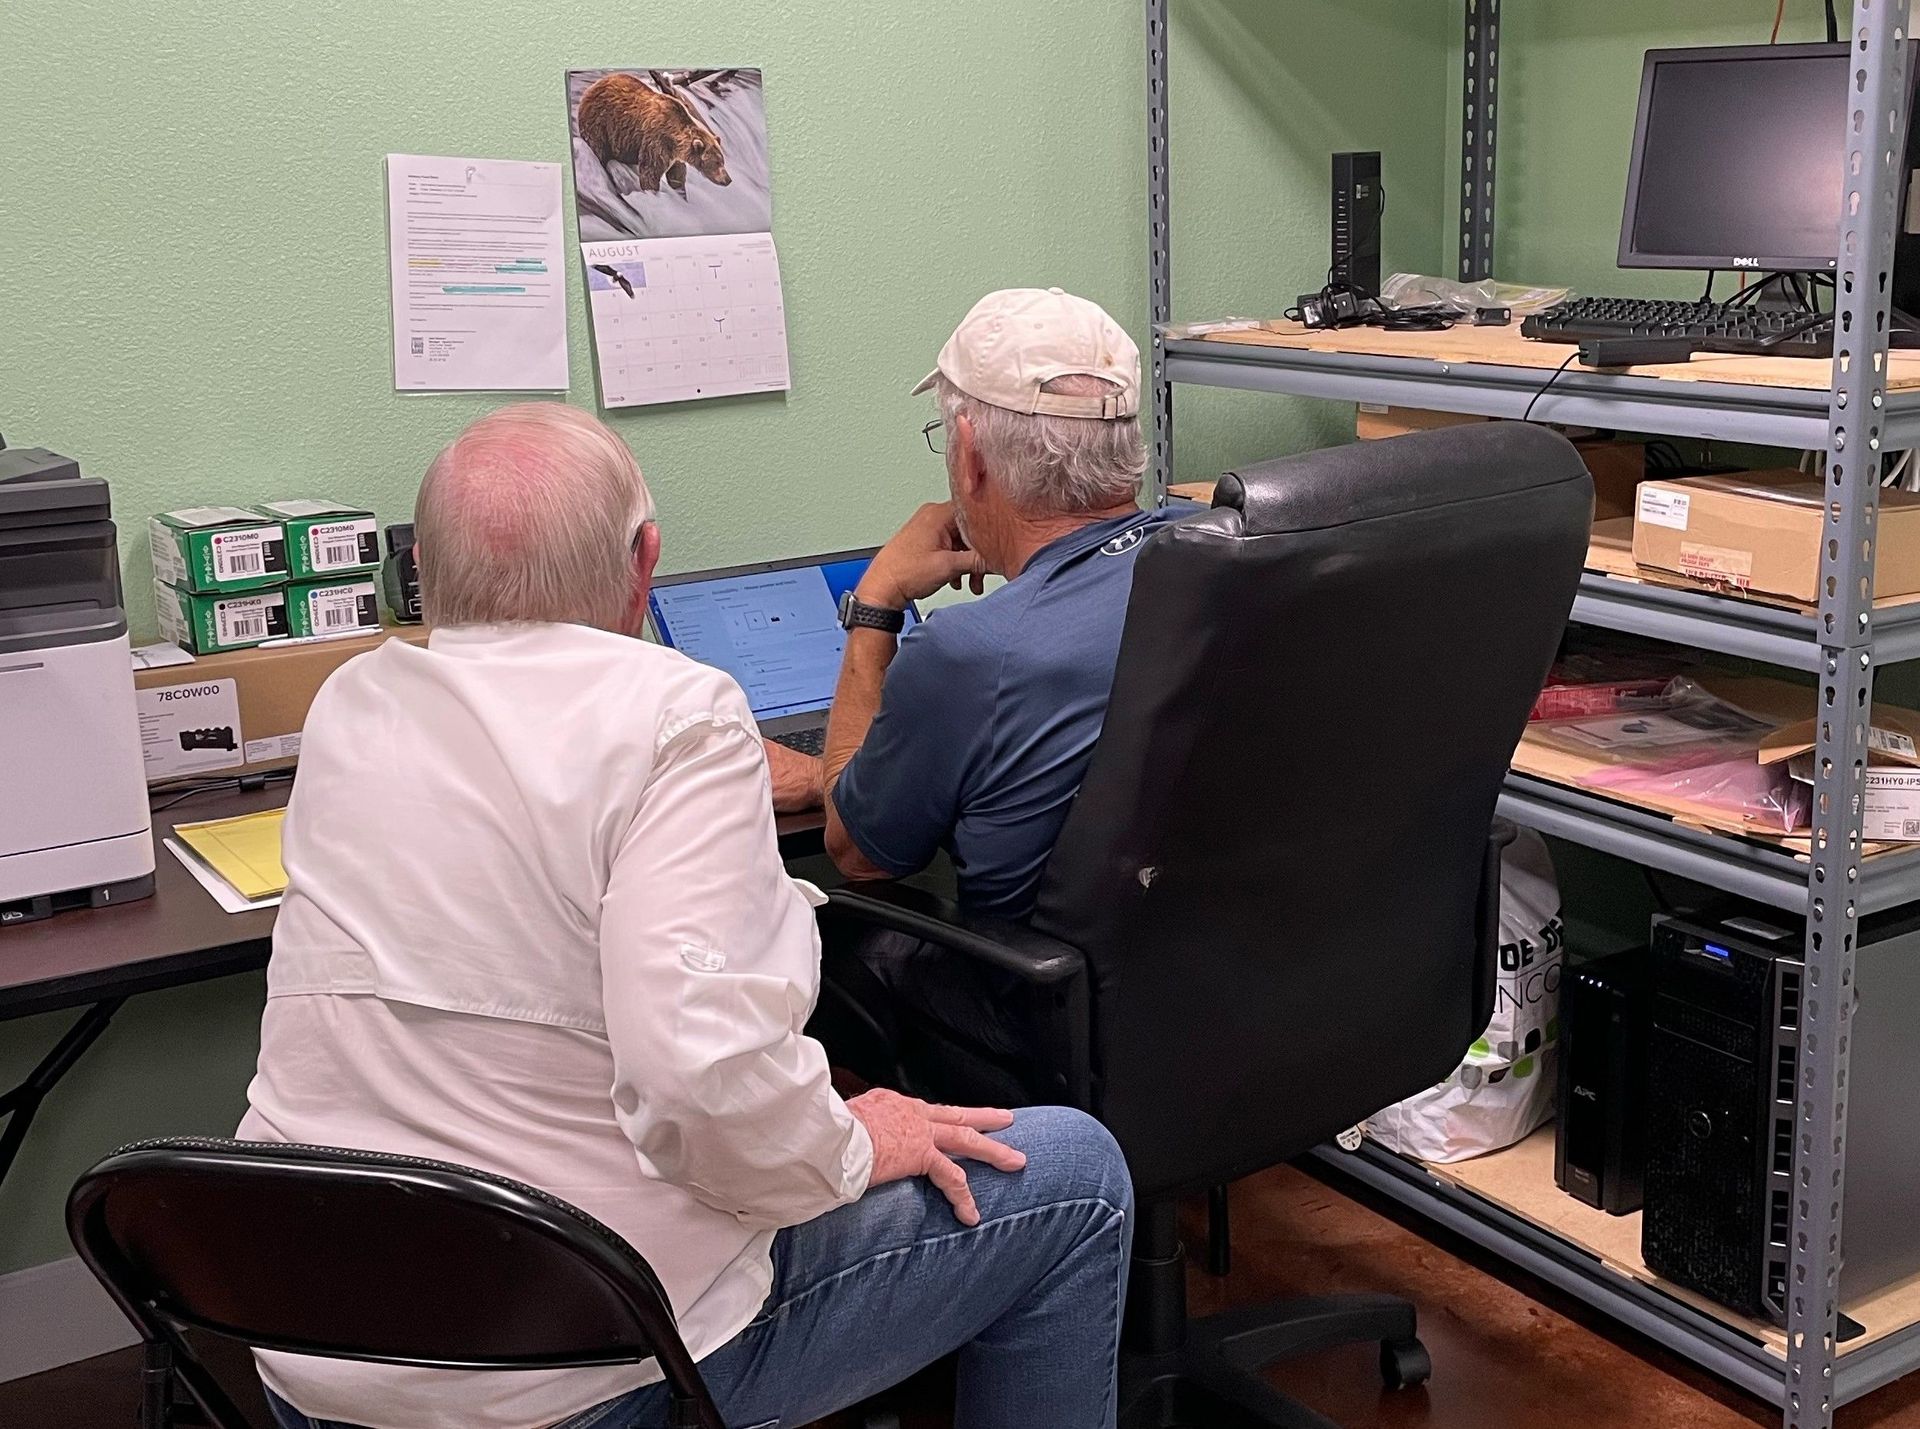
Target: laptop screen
[[776, 632]]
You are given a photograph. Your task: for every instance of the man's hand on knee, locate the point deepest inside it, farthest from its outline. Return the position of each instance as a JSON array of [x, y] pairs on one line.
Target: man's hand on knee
[[915, 1138]]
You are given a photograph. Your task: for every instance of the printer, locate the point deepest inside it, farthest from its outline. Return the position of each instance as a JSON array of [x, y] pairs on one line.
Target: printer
[[74, 826]]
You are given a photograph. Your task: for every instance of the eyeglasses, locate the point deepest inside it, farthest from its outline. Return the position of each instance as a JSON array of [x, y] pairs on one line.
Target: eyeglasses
[[936, 428]]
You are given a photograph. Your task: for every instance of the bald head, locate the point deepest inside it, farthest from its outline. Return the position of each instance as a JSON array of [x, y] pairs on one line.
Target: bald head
[[532, 514]]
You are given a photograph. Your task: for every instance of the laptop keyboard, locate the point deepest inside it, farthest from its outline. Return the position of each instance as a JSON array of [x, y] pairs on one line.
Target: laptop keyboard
[[807, 741]]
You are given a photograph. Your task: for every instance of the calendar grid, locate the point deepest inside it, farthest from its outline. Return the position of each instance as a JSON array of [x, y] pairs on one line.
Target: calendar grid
[[681, 319]]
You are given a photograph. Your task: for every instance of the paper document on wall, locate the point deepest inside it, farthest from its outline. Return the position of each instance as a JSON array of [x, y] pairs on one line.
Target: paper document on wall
[[478, 255], [674, 197], [243, 851]]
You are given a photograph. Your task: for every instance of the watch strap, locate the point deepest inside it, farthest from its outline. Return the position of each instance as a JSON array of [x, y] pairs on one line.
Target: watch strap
[[855, 612]]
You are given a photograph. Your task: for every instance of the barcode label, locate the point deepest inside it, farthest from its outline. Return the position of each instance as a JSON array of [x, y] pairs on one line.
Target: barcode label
[[242, 627], [419, 346], [337, 545], [238, 555], [331, 611], [1910, 828]]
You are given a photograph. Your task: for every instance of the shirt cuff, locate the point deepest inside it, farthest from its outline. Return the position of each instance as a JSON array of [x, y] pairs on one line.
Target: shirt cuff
[[856, 1166]]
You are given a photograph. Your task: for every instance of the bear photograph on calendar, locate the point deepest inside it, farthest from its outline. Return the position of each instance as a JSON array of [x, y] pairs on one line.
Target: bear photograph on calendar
[[665, 153]]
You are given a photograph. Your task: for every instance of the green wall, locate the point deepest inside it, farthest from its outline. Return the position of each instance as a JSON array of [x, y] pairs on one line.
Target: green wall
[[193, 288], [1569, 85]]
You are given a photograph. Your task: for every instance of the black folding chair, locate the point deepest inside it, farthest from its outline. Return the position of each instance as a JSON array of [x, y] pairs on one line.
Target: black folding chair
[[360, 1256]]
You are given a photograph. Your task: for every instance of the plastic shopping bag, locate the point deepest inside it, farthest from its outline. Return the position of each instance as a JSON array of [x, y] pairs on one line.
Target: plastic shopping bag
[[1505, 1087]]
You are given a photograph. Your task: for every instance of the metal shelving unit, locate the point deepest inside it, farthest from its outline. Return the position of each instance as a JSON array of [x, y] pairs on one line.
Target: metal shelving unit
[[1854, 422]]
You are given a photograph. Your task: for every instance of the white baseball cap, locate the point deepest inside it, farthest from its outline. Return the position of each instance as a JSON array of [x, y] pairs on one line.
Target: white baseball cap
[[1018, 339]]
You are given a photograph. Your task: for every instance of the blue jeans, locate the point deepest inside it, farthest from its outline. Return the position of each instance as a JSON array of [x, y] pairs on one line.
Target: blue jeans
[[866, 1295]]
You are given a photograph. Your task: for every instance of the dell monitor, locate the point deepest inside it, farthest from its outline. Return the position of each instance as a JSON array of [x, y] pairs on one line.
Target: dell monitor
[[1738, 155]]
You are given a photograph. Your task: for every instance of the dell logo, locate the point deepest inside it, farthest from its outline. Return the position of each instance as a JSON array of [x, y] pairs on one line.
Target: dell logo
[[1746, 262]]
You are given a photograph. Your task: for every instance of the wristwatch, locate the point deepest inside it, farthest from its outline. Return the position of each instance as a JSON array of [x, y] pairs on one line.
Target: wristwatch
[[856, 612]]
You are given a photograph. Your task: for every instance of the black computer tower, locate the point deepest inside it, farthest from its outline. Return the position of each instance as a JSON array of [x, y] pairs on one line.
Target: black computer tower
[[1599, 1136], [1723, 1074], [1359, 205]]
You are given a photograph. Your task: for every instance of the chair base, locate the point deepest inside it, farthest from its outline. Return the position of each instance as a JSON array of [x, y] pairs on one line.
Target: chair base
[[1213, 1381]]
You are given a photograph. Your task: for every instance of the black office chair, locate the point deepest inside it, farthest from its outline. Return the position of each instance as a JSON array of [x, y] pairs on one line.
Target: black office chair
[[361, 1256], [1272, 909]]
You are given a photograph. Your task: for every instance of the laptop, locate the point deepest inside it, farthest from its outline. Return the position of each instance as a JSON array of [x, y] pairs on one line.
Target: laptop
[[774, 627]]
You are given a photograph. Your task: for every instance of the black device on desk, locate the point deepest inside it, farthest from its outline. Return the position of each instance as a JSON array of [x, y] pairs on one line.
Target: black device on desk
[[1738, 160], [400, 576]]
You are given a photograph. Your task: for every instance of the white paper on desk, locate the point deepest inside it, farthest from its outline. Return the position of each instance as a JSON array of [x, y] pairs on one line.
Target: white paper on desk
[[160, 656], [222, 892], [477, 248]]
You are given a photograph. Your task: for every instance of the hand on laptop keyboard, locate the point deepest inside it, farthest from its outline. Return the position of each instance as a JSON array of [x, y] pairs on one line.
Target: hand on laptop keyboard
[[807, 741]]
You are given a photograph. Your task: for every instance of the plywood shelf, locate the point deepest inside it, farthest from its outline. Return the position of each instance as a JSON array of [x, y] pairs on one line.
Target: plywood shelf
[[1520, 1180]]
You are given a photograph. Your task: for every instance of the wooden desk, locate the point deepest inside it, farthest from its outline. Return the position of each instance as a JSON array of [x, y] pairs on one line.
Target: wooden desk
[[98, 958]]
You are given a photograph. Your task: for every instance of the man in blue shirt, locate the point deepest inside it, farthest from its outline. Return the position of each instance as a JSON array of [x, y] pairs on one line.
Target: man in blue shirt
[[971, 734]]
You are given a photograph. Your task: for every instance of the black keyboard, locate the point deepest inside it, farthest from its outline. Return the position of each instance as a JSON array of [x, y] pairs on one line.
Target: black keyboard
[[807, 741], [1717, 327]]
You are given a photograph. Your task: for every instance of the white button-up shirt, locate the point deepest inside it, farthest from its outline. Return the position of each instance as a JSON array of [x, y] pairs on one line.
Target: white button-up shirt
[[536, 922]]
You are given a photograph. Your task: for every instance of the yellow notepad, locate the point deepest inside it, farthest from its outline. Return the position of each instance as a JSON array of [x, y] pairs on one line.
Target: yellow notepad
[[245, 850]]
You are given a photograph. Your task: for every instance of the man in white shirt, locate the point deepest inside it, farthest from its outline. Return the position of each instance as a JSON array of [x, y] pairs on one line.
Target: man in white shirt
[[536, 922]]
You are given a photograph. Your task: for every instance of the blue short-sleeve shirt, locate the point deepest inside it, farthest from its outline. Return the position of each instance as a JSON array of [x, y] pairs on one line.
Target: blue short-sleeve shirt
[[989, 716]]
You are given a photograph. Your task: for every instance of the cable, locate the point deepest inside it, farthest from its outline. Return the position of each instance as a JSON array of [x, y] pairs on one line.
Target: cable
[[1779, 13], [239, 783], [1663, 455], [1707, 296], [1664, 903], [1527, 415], [1833, 25]]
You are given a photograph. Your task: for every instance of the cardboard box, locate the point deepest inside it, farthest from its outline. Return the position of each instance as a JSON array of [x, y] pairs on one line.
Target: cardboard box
[[275, 687], [325, 538], [1617, 466], [333, 607], [1890, 785], [205, 549], [1760, 531], [1372, 421], [208, 624]]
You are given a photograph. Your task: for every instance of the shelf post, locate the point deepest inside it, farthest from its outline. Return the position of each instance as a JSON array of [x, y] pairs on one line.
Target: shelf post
[[1479, 76], [1159, 239], [1875, 143]]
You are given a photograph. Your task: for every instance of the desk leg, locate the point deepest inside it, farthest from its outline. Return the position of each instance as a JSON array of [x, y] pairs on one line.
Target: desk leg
[[20, 1105]]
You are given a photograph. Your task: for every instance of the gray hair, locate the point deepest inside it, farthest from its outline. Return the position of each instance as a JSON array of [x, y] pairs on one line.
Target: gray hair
[[531, 514], [1053, 465]]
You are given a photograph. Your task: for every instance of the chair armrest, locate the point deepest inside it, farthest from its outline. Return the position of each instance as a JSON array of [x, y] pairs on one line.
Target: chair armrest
[[1057, 971], [997, 942]]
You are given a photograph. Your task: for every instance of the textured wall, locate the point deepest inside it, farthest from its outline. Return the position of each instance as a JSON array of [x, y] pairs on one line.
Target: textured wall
[[195, 280], [1570, 79], [193, 288]]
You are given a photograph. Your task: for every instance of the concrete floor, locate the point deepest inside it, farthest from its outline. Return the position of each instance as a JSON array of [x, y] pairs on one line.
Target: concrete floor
[[1508, 1352]]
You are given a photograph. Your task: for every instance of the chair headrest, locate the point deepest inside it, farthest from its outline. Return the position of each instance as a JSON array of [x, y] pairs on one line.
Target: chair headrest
[[1370, 479]]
